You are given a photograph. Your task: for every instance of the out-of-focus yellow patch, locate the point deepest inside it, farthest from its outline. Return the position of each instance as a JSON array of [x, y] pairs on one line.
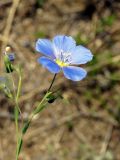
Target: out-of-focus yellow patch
[[60, 63]]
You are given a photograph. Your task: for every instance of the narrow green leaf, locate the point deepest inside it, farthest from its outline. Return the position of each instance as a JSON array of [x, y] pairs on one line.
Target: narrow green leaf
[[39, 109], [19, 146], [27, 124]]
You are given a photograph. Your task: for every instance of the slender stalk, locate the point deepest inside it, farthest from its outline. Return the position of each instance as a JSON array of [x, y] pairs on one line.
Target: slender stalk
[[19, 86], [18, 111], [15, 96], [19, 90], [37, 110], [52, 82], [17, 126]]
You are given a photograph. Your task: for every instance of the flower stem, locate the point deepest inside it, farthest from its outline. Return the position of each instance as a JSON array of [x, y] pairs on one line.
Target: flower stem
[[17, 110], [52, 83], [42, 104], [17, 126]]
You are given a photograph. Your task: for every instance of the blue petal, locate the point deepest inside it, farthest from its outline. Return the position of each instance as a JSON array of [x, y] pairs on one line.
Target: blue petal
[[64, 43], [45, 46], [74, 73], [49, 64], [80, 55]]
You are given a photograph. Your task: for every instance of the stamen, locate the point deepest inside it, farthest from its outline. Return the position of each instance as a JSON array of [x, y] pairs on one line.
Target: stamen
[[61, 63], [65, 56]]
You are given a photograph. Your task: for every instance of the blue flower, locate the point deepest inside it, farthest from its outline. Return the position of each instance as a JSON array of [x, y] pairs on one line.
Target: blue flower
[[62, 54]]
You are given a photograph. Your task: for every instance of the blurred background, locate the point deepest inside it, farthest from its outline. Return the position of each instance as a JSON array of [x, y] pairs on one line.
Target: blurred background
[[85, 124]]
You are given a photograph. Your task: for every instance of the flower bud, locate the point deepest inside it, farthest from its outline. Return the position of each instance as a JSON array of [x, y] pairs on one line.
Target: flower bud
[[8, 64], [51, 98], [8, 59]]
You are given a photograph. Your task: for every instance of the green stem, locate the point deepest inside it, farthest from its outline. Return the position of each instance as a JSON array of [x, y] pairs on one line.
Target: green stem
[[37, 110], [17, 127], [17, 110], [19, 90], [19, 86]]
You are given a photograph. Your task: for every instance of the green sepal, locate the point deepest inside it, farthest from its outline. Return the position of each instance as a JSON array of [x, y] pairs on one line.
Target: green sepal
[[51, 98], [8, 65]]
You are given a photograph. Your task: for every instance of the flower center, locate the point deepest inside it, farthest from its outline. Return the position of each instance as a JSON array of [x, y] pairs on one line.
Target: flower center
[[61, 63], [65, 56]]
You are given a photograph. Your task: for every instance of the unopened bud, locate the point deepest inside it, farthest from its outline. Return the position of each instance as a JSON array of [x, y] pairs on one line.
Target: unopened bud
[[51, 98], [8, 64]]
